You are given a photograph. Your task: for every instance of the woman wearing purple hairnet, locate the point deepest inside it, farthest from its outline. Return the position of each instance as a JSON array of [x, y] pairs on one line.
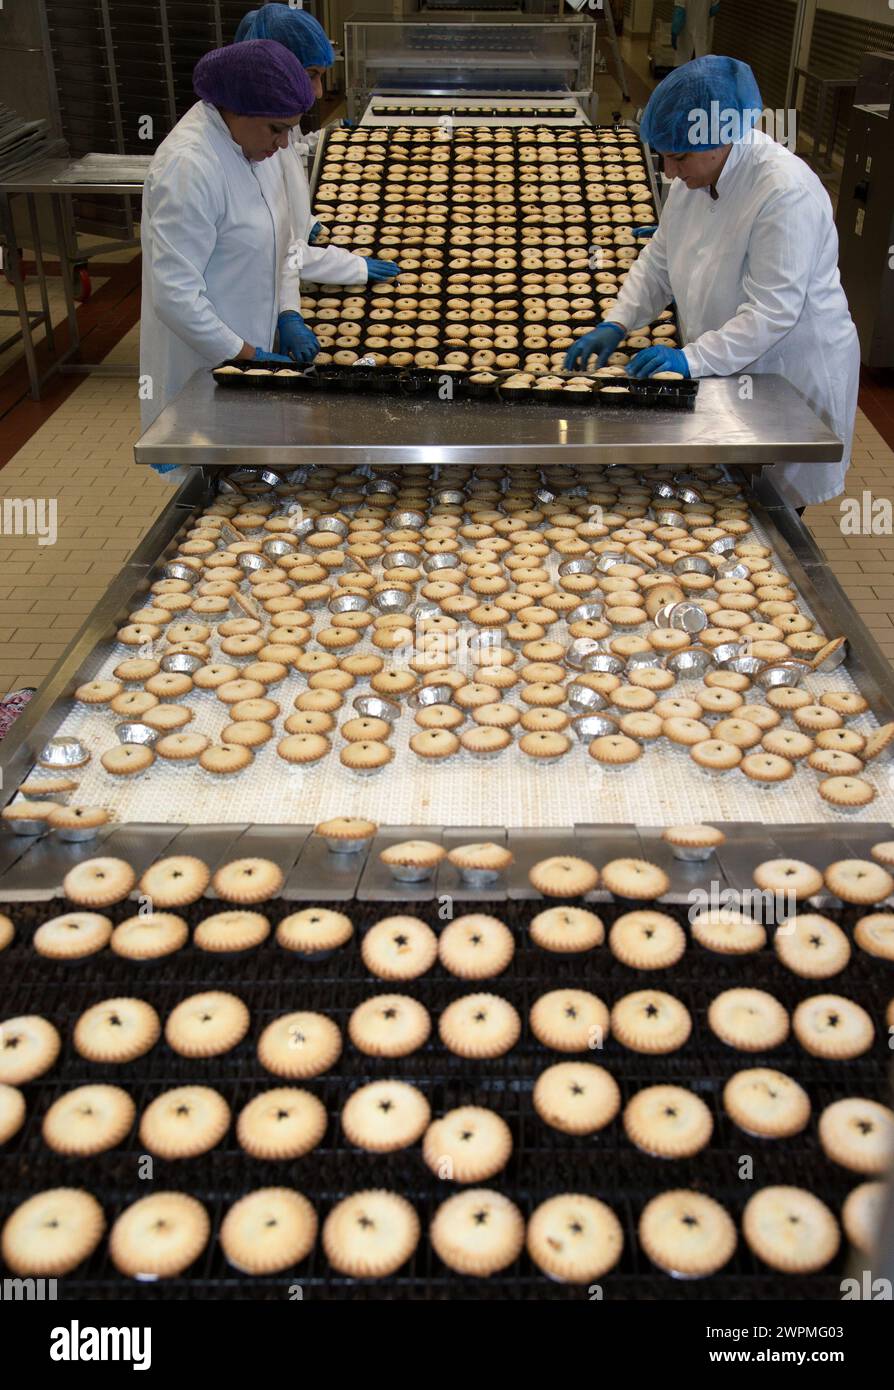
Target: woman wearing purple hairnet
[[747, 248], [217, 221], [303, 36]]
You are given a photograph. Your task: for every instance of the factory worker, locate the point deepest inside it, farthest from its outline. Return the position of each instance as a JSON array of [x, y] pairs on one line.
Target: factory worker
[[692, 26], [303, 35], [216, 227], [747, 248]]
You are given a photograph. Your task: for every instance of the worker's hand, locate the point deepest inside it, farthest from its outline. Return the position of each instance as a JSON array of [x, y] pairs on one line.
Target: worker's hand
[[600, 343], [658, 359], [645, 231], [348, 124], [260, 355], [296, 338], [314, 233], [678, 23], [380, 270]]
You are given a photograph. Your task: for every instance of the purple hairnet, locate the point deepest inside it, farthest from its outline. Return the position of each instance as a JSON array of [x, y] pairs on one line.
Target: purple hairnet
[[256, 78], [296, 29], [702, 105]]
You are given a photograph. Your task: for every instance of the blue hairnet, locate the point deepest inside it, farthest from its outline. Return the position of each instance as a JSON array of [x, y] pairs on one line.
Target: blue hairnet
[[702, 105], [254, 79], [294, 29]]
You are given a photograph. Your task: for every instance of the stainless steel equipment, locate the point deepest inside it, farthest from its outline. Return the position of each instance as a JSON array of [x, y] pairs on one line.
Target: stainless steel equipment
[[463, 58], [215, 428], [865, 214]]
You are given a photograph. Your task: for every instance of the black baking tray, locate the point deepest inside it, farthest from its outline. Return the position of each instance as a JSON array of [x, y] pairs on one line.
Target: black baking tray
[[544, 1162]]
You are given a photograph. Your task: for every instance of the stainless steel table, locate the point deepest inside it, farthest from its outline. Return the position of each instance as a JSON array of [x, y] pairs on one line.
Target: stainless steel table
[[54, 178], [215, 427]]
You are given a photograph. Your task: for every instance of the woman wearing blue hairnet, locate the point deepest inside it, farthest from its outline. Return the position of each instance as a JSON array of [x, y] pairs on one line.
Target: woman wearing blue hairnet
[[747, 248], [303, 36]]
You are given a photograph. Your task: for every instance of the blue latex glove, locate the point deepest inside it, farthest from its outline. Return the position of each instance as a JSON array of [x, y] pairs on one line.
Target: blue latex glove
[[262, 356], [314, 233], [714, 10], [658, 359], [678, 23], [380, 270], [645, 231], [600, 342], [348, 125], [295, 338]]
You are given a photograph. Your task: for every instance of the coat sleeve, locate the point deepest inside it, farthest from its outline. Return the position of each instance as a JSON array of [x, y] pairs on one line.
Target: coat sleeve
[[778, 270], [333, 265], [647, 289], [183, 209]]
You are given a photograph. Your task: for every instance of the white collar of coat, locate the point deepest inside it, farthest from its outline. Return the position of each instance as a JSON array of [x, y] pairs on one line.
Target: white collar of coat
[[736, 155], [218, 123]]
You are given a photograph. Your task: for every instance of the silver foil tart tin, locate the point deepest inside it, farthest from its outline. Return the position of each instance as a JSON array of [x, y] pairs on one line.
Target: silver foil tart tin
[[832, 661], [249, 562], [25, 825], [393, 601], [131, 731], [580, 649], [411, 873], [593, 725], [651, 661], [605, 662], [692, 854], [304, 527], [181, 662], [64, 751], [382, 485], [177, 571], [780, 673], [591, 611], [584, 564], [583, 700], [399, 559], [608, 559], [693, 564], [347, 846], [410, 520], [683, 617], [450, 497], [333, 524], [375, 707], [722, 546], [689, 495], [479, 878], [348, 603], [432, 695], [732, 569], [438, 562], [692, 662], [667, 516], [664, 492], [544, 496], [726, 652], [277, 547]]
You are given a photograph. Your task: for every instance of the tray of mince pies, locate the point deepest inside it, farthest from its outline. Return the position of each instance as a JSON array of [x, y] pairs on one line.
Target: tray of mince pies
[[577, 1086], [604, 387], [512, 243]]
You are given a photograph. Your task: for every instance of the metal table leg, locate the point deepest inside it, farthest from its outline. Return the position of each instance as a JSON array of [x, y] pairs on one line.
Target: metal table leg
[[36, 242], [14, 271], [65, 271], [820, 122]]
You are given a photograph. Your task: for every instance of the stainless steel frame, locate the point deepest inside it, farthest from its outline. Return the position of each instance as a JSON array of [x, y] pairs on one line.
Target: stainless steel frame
[[214, 427], [89, 649]]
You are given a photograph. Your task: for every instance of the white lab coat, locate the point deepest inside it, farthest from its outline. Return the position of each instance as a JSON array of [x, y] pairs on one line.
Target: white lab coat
[[755, 279], [222, 254], [326, 265], [694, 40]]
